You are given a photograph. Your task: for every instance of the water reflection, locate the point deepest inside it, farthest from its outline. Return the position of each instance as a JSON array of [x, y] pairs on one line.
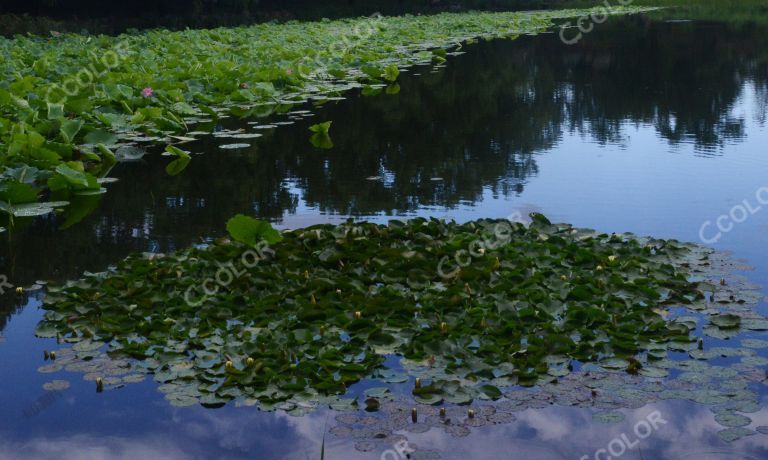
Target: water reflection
[[681, 430], [685, 431]]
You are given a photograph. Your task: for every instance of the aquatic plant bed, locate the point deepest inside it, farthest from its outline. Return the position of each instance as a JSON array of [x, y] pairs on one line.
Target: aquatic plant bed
[[73, 105], [486, 310]]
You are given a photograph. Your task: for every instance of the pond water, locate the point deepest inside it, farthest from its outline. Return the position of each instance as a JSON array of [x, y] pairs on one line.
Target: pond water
[[650, 126]]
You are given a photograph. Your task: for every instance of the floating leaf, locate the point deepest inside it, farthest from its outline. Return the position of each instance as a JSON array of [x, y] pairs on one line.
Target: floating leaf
[[608, 417], [734, 434], [177, 166], [732, 420], [56, 385], [250, 231], [128, 153], [725, 321], [321, 128]]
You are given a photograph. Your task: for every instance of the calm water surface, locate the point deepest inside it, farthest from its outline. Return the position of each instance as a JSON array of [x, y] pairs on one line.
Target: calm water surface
[[646, 126]]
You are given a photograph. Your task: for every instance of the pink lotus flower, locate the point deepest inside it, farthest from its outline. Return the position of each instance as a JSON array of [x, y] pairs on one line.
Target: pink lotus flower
[[147, 92], [289, 71]]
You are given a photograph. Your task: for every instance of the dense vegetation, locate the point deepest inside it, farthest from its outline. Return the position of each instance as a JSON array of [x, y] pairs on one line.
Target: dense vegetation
[[273, 315]]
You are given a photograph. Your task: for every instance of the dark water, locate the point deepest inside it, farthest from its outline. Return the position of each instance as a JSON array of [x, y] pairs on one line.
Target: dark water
[[646, 126]]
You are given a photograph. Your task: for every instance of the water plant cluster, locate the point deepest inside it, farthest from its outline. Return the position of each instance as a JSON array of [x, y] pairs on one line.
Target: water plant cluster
[[71, 105], [315, 310]]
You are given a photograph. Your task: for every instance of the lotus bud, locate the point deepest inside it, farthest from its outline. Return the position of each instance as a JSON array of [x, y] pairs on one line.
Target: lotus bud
[[338, 291], [53, 355], [313, 300], [306, 274], [467, 288], [471, 413], [229, 365], [19, 290], [442, 412], [599, 268], [46, 355], [701, 344], [722, 282], [249, 362], [358, 315], [497, 264], [418, 382], [414, 415], [563, 277], [444, 327], [99, 385], [481, 250], [612, 258], [482, 323]]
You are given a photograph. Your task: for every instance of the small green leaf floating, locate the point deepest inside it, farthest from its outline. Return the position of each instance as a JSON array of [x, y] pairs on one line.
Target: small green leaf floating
[[250, 231], [321, 128], [177, 166], [391, 72], [321, 139]]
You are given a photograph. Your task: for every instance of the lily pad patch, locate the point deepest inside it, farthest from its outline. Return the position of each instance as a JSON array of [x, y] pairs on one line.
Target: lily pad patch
[[528, 322]]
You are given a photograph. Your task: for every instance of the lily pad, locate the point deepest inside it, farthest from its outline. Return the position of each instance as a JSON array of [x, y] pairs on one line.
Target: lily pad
[[56, 385], [608, 417], [726, 321], [734, 434], [732, 420]]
